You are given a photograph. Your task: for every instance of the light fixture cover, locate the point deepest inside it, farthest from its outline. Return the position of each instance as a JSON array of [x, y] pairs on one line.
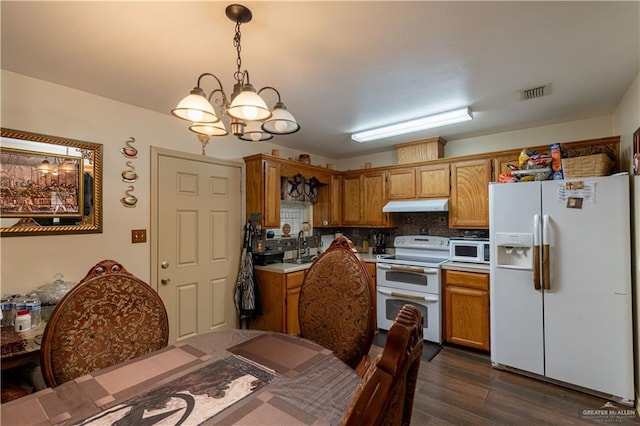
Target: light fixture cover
[[281, 122], [196, 108], [209, 129], [428, 122], [253, 132], [249, 106]]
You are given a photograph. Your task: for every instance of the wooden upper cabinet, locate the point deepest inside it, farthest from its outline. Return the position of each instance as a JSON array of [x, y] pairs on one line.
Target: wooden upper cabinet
[[271, 215], [351, 200], [432, 181], [469, 201], [373, 199], [401, 184], [263, 191], [500, 164], [418, 182], [327, 211]]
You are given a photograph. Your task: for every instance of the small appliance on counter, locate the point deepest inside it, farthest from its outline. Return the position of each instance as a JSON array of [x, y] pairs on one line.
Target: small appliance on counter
[[470, 249], [266, 257]]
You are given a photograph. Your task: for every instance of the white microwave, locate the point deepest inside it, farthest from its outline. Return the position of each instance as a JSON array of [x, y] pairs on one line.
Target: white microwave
[[469, 250]]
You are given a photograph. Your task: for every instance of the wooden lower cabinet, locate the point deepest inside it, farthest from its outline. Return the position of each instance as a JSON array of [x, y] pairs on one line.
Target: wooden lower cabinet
[[371, 268], [279, 294], [466, 311]]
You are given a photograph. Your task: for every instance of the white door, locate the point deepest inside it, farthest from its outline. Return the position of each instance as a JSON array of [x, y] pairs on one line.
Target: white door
[[517, 338], [587, 312], [198, 244]]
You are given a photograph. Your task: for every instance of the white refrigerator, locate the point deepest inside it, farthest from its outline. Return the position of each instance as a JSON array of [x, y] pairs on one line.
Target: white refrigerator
[[560, 296]]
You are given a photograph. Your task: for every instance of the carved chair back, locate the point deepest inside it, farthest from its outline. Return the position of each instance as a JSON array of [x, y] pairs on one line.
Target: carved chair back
[[109, 317]]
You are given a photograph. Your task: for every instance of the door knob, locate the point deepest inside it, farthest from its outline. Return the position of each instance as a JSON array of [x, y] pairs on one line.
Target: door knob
[[165, 280], [164, 264]]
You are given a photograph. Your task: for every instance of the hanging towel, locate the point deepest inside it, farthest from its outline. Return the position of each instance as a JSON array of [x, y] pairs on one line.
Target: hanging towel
[[246, 297]]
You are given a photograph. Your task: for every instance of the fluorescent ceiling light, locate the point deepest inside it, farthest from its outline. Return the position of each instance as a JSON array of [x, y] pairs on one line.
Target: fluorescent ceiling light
[[436, 120]]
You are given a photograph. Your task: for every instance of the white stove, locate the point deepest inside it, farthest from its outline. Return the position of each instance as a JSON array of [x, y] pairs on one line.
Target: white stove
[[412, 276]]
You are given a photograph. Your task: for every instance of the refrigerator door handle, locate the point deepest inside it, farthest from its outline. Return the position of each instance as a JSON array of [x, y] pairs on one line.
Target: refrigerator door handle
[[536, 252], [546, 277]]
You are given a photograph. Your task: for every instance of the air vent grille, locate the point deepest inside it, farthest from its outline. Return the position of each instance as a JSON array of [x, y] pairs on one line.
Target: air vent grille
[[536, 92]]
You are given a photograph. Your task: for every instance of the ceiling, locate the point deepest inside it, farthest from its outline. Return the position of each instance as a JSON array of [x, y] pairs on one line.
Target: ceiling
[[342, 66]]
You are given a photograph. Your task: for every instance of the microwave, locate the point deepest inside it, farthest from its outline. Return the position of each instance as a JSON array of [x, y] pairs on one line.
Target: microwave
[[469, 250]]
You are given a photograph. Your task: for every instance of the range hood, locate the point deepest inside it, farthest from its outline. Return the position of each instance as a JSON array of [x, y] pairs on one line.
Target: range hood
[[432, 205]]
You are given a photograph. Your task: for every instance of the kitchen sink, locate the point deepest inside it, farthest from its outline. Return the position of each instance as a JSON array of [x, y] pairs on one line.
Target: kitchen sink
[[300, 261]]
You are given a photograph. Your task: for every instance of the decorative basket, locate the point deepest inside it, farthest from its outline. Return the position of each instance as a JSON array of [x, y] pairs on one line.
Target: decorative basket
[[588, 165]]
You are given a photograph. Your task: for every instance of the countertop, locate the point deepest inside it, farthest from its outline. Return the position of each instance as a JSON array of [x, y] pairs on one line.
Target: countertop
[[466, 267], [285, 268]]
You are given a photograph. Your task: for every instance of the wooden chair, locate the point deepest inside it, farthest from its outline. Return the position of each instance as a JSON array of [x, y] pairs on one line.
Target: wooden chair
[[337, 306], [385, 396], [111, 316]]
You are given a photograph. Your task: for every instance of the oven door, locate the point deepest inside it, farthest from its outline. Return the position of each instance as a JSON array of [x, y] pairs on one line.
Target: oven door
[[414, 278], [390, 301]]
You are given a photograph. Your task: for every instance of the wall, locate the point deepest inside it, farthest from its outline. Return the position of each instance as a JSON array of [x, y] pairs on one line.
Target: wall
[[42, 107], [542, 135], [626, 121]]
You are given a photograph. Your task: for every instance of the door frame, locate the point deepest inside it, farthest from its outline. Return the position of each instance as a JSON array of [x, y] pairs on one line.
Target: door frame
[[156, 153]]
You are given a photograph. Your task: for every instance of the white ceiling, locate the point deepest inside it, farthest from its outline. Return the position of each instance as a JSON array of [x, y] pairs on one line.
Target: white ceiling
[[342, 66]]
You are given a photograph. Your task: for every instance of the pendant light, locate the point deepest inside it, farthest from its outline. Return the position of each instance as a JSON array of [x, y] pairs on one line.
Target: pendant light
[[248, 114]]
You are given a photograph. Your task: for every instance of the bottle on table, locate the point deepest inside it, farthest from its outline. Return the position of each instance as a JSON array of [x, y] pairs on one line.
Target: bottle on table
[[23, 321], [34, 306]]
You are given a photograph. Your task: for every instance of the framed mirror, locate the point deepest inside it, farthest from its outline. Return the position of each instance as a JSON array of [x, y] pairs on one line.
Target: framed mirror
[[49, 185]]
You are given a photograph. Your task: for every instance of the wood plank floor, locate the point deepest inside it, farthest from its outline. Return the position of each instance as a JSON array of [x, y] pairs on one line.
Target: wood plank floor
[[460, 387]]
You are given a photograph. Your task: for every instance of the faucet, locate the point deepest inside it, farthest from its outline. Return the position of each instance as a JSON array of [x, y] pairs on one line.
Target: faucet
[[301, 242]]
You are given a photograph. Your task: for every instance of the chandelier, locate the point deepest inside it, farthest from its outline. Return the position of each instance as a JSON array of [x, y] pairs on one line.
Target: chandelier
[[248, 114]]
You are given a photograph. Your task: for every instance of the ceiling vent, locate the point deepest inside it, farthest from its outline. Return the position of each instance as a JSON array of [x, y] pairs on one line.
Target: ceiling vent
[[536, 92]]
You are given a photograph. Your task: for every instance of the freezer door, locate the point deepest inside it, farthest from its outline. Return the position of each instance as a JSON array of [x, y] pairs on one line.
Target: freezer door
[[587, 311], [516, 306]]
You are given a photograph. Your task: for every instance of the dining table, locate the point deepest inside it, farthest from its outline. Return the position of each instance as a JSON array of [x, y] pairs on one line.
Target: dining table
[[238, 376]]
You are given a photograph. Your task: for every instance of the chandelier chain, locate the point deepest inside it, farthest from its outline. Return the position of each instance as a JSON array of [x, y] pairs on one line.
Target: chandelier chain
[[236, 42]]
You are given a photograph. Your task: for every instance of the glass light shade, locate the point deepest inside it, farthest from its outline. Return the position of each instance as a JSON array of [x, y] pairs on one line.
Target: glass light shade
[[44, 167], [195, 108], [67, 166], [249, 106], [281, 122], [253, 132], [209, 129]]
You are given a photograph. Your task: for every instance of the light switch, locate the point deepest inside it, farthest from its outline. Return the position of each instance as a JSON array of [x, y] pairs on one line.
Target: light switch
[[138, 236]]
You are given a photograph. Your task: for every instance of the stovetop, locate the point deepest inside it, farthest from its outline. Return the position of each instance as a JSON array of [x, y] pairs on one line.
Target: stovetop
[[419, 250]]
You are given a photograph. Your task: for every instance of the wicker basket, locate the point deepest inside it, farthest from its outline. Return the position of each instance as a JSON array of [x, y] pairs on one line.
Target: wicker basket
[[589, 165]]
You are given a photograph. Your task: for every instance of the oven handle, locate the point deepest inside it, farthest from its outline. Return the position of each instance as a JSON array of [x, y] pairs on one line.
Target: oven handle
[[407, 268], [409, 296]]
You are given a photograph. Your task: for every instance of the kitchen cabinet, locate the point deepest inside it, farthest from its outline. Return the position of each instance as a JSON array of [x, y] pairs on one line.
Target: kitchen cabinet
[[428, 181], [364, 196], [432, 181], [401, 184], [279, 295], [466, 308], [469, 199], [328, 210], [371, 268], [263, 191]]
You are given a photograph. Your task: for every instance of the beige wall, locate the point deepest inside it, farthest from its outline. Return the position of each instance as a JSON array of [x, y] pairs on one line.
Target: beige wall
[[626, 120], [41, 107]]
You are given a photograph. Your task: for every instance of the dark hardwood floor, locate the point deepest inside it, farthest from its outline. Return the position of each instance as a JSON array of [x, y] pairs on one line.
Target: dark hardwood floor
[[460, 387]]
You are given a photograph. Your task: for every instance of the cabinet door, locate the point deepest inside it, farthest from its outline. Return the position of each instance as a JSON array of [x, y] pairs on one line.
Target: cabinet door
[[294, 284], [335, 201], [271, 214], [373, 199], [500, 165], [432, 181], [272, 298], [351, 205], [401, 184], [467, 313], [469, 201]]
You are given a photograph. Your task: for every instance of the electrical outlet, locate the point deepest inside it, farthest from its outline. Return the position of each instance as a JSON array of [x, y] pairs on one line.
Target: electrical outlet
[[138, 236]]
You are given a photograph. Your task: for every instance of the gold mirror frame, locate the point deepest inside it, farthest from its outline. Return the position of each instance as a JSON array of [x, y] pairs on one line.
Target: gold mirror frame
[[88, 159]]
